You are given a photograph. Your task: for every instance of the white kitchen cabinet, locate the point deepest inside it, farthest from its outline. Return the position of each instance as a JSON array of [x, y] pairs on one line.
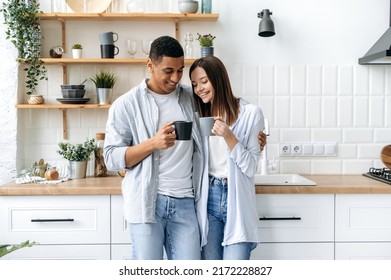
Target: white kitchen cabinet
[[119, 227], [121, 252], [294, 251], [363, 251], [57, 221], [295, 226], [363, 226], [363, 217], [61, 252]]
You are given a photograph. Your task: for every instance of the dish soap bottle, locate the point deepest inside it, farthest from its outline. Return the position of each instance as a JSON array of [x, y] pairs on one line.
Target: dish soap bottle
[[100, 167]]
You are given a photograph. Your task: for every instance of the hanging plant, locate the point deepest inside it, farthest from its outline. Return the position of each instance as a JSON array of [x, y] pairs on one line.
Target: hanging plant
[[24, 31]]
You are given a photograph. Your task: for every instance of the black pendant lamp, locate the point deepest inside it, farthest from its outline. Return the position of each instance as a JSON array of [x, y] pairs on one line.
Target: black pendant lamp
[[266, 26]]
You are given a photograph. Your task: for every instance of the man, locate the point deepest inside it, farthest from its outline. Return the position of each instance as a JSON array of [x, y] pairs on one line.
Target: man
[[163, 175]]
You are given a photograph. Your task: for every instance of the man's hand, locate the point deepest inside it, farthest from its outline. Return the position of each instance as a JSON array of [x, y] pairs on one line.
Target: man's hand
[[164, 138]]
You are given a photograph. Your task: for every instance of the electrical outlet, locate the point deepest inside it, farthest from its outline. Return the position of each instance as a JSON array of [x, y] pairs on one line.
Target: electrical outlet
[[296, 149], [285, 149]]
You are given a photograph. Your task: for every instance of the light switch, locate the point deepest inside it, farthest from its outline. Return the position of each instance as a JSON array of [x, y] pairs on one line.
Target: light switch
[[318, 149], [330, 149], [308, 149]]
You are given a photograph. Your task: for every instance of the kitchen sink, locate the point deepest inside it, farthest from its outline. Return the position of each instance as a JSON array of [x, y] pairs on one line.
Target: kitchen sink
[[282, 180]]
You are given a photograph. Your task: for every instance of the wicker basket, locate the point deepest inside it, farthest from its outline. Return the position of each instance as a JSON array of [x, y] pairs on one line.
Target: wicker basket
[[35, 99]]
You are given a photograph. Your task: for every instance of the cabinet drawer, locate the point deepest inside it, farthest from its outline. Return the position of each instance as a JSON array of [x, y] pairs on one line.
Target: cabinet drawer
[[296, 218], [363, 251], [293, 251], [55, 219], [119, 227], [61, 252], [363, 217]]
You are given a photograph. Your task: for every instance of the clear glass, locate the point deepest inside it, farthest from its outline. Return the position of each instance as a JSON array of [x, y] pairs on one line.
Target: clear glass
[[189, 45], [86, 6], [146, 46], [131, 47]]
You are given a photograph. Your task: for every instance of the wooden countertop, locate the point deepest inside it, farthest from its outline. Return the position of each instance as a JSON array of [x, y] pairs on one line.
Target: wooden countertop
[[326, 184]]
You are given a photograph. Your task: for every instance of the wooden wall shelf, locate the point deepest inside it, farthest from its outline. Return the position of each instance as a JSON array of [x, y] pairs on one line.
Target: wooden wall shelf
[[63, 106], [129, 16], [132, 61]]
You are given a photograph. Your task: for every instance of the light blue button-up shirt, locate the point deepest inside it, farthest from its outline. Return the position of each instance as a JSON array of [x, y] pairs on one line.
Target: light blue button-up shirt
[[133, 118]]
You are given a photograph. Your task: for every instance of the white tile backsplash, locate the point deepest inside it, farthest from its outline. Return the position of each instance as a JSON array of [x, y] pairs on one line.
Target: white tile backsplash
[[347, 105]]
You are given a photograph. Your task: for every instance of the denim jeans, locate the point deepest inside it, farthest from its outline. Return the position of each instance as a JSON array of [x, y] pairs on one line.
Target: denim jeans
[[176, 229], [217, 217]]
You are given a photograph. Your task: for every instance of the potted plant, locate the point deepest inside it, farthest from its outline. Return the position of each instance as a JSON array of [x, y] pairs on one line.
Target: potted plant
[[24, 31], [104, 82], [206, 43], [78, 156], [77, 51]]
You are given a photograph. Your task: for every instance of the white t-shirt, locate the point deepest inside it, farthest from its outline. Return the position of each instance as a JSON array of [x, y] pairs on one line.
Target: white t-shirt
[[175, 167], [218, 157]]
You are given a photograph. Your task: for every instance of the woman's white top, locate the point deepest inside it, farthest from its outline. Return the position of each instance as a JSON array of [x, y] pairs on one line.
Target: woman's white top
[[217, 157]]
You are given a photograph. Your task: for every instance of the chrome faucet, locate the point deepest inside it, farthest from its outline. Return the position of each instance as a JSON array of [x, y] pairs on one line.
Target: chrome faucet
[[265, 166]]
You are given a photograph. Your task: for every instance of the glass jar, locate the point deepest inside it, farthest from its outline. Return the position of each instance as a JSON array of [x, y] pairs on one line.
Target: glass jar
[[100, 167]]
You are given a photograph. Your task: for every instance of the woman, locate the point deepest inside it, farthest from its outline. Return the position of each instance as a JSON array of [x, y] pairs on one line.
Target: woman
[[226, 210]]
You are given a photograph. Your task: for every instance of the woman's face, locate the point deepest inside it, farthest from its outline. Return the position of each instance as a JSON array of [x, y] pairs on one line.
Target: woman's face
[[201, 84]]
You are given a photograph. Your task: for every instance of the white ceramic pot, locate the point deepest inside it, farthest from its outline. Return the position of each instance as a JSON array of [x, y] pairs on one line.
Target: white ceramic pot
[[77, 53]]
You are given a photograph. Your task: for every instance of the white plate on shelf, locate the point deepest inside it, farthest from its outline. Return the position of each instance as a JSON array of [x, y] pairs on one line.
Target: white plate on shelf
[[73, 100], [96, 6]]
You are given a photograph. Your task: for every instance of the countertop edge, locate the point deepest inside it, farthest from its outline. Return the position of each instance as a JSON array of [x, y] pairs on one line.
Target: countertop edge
[[111, 185]]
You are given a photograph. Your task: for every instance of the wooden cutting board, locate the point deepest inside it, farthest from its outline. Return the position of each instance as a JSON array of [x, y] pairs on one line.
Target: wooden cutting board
[[385, 156]]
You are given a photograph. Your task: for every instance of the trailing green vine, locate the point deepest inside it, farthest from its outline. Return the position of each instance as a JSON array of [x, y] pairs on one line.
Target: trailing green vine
[[24, 31]]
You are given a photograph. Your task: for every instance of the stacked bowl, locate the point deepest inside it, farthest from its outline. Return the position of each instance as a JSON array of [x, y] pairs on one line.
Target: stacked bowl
[[73, 91], [188, 6]]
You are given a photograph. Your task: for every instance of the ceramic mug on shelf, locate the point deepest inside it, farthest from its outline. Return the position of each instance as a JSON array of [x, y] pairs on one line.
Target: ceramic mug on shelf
[[108, 38], [108, 51]]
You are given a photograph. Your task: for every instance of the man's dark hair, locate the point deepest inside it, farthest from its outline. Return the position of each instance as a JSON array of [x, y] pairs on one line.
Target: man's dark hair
[[165, 46]]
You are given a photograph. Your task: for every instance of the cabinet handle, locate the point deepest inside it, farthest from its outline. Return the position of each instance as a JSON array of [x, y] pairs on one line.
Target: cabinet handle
[[280, 219], [51, 220]]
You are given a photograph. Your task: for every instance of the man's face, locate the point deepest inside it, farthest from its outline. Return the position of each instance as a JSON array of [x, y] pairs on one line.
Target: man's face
[[166, 74]]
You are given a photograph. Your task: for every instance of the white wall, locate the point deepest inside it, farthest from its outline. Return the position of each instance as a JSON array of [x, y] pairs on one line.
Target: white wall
[[306, 79]]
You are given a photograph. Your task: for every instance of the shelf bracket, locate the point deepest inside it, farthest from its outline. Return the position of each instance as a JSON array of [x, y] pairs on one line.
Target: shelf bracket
[[63, 36], [64, 124]]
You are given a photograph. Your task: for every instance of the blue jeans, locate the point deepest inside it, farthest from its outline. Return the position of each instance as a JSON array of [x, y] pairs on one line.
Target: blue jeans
[[176, 229], [217, 217]]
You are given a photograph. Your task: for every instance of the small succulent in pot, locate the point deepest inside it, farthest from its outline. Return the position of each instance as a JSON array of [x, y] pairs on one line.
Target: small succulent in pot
[[77, 47], [77, 152]]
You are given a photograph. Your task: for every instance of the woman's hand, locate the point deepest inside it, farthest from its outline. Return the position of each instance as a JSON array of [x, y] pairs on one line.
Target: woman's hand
[[262, 140], [221, 128]]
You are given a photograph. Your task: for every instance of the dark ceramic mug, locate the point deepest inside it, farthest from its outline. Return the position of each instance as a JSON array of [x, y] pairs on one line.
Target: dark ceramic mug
[[108, 51], [183, 130]]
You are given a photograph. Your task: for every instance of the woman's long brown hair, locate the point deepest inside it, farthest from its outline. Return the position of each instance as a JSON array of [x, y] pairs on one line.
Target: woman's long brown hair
[[225, 104]]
